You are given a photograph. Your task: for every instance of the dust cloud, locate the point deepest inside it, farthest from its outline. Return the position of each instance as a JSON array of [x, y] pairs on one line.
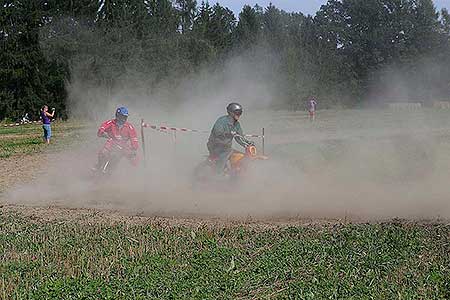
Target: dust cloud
[[356, 164], [422, 81]]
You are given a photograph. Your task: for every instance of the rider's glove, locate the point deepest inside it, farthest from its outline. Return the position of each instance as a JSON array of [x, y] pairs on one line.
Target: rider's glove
[[104, 135]]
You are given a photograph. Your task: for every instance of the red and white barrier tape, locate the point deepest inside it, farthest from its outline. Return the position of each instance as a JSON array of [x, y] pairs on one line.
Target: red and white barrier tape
[[167, 128], [21, 123]]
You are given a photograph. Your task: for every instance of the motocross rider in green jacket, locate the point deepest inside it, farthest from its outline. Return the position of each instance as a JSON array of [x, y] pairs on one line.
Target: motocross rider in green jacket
[[221, 138]]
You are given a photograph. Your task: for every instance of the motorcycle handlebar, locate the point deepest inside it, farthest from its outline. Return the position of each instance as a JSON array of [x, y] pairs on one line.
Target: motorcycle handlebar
[[244, 140], [115, 143]]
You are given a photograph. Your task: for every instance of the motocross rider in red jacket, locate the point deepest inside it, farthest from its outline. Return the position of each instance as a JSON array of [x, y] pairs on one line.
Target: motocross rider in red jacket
[[120, 134]]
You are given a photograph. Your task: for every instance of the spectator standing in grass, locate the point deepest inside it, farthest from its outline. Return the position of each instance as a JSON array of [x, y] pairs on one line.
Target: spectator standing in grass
[[312, 106], [45, 116]]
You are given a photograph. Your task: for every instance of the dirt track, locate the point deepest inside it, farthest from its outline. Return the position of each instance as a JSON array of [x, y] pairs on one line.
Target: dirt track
[[20, 169], [93, 216], [366, 172], [23, 170]]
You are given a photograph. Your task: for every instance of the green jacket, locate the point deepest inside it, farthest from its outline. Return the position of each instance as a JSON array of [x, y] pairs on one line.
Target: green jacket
[[221, 137]]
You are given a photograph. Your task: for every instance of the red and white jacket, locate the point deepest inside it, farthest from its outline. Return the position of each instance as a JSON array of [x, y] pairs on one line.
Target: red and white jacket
[[122, 135]]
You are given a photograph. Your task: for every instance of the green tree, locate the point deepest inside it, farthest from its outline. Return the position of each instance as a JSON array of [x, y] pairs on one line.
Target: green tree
[[341, 55], [27, 78], [187, 10], [445, 22], [248, 30]]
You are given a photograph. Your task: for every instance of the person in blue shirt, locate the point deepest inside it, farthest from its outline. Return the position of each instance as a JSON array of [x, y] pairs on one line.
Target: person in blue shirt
[[222, 134]]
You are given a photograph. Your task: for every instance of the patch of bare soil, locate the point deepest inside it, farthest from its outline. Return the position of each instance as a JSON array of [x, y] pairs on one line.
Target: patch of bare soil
[[24, 170], [20, 169], [86, 216]]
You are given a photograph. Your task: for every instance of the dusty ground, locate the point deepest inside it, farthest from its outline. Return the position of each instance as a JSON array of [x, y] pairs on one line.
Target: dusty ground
[[20, 169], [24, 170], [348, 166], [107, 217]]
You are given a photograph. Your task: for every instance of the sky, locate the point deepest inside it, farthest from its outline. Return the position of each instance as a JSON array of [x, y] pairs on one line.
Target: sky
[[305, 6]]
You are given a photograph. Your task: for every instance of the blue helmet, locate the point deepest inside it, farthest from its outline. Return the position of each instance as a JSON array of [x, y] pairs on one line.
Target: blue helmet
[[121, 115]]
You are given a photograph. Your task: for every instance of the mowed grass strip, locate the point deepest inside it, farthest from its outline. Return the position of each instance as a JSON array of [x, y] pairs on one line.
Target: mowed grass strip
[[27, 139], [75, 260]]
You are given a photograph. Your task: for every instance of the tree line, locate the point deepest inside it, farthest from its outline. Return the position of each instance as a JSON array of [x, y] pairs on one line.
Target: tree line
[[351, 53]]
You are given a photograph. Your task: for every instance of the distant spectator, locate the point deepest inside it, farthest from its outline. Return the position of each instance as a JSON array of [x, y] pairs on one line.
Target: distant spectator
[[312, 106], [45, 116]]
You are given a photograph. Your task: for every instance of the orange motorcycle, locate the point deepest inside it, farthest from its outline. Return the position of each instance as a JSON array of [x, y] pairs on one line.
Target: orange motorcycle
[[237, 165]]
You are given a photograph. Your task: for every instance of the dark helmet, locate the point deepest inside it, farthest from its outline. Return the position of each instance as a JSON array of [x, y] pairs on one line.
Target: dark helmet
[[234, 108], [122, 115]]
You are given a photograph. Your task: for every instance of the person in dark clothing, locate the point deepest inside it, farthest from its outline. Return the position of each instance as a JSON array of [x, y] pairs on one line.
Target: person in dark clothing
[[225, 129]]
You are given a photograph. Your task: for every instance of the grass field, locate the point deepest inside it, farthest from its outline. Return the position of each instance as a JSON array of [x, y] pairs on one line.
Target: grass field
[[76, 259], [53, 253], [27, 139]]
